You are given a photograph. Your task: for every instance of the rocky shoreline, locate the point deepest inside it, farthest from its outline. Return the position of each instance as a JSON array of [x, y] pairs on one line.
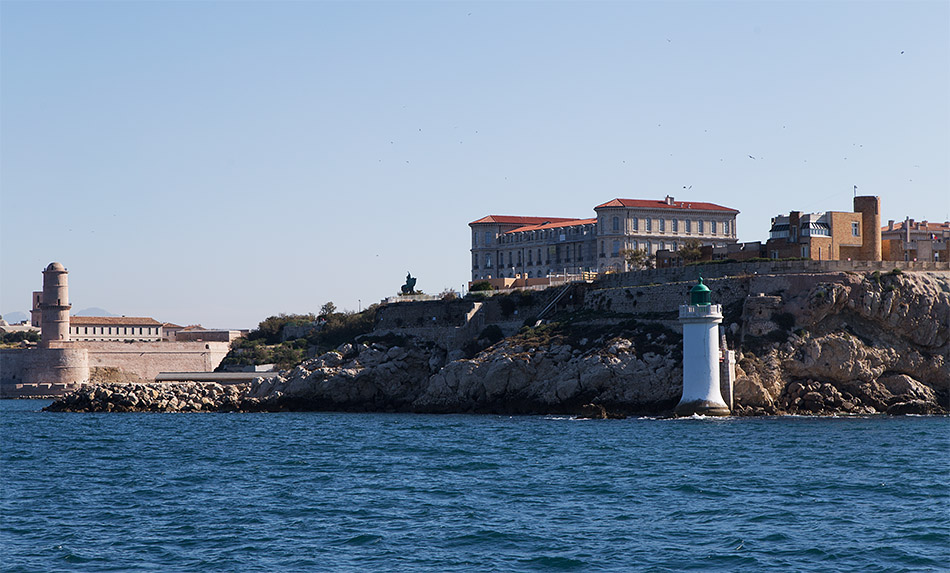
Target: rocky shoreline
[[857, 345]]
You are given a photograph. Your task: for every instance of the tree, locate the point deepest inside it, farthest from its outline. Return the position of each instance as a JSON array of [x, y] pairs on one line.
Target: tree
[[692, 250], [637, 258], [327, 309]]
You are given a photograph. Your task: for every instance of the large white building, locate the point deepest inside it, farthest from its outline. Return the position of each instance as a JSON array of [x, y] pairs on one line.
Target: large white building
[[535, 247]]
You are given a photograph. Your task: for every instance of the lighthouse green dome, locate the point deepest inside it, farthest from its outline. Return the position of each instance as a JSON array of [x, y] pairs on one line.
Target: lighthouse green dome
[[700, 295]]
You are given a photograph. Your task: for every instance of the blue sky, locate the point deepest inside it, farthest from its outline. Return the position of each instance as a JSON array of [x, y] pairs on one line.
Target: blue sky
[[220, 162]]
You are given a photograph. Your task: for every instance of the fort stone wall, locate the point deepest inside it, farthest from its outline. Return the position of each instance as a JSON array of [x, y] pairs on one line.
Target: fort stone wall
[[41, 371], [50, 370], [147, 359]]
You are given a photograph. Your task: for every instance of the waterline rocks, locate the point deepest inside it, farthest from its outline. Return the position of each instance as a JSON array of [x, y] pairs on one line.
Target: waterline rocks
[[167, 397]]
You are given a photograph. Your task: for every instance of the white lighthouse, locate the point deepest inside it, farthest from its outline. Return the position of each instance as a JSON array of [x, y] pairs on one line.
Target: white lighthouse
[[701, 321]]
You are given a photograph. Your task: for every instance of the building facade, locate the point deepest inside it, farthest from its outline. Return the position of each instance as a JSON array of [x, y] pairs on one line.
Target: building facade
[[502, 245], [911, 240], [115, 328], [536, 247], [829, 236], [650, 226]]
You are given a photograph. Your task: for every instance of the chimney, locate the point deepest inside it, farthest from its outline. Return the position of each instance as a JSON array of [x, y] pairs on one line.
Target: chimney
[[890, 225], [669, 199]]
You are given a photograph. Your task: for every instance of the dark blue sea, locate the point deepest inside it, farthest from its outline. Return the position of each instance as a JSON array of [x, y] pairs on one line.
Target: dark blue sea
[[397, 492]]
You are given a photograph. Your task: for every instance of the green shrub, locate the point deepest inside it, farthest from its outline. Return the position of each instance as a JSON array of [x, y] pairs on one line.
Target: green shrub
[[491, 333], [18, 337], [481, 286]]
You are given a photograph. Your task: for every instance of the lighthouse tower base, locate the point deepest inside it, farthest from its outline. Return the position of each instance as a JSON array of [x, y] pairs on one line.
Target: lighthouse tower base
[[701, 408]]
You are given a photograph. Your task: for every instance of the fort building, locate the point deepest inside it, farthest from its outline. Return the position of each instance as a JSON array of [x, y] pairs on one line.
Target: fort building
[[534, 247], [72, 349], [116, 328]]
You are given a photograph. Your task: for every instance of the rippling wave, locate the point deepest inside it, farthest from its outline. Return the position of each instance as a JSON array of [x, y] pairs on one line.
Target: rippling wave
[[317, 491]]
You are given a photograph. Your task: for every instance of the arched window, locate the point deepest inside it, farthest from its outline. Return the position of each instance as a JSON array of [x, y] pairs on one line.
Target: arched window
[[616, 224]]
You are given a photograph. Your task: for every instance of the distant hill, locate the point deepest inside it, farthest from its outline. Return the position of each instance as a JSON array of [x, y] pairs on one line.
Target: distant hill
[[15, 317], [93, 311]]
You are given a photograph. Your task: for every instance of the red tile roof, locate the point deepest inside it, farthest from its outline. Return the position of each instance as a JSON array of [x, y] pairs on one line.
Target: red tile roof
[[570, 223], [660, 204], [514, 220], [112, 321]]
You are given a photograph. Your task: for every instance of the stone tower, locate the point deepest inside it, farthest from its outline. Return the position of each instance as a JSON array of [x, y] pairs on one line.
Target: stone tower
[[701, 319], [870, 209], [55, 306]]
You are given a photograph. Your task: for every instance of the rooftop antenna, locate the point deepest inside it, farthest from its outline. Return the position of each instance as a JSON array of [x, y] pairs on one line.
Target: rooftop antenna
[[855, 190]]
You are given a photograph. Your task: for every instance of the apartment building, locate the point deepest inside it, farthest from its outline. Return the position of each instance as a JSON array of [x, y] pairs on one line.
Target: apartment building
[[911, 240], [829, 236]]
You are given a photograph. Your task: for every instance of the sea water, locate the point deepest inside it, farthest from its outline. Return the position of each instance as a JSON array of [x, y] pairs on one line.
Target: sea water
[[401, 492]]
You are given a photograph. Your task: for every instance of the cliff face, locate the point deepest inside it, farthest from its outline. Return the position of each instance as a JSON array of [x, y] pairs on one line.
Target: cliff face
[[849, 343], [551, 372], [863, 343]]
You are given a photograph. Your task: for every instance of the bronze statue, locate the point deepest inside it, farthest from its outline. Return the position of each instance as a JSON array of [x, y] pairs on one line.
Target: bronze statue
[[410, 286]]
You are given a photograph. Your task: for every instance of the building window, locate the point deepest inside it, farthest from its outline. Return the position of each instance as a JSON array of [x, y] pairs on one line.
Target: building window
[[475, 239], [662, 225], [712, 227], [689, 226], [676, 226], [487, 260], [487, 238], [648, 224], [725, 228], [636, 224], [616, 224], [699, 224], [855, 229], [615, 249]]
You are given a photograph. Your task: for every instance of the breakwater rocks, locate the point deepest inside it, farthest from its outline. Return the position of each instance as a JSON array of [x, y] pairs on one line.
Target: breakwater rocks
[[170, 397], [846, 343]]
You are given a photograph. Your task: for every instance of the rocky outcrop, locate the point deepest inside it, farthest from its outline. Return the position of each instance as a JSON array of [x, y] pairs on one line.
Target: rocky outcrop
[[511, 377], [861, 344], [170, 397], [834, 344]]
